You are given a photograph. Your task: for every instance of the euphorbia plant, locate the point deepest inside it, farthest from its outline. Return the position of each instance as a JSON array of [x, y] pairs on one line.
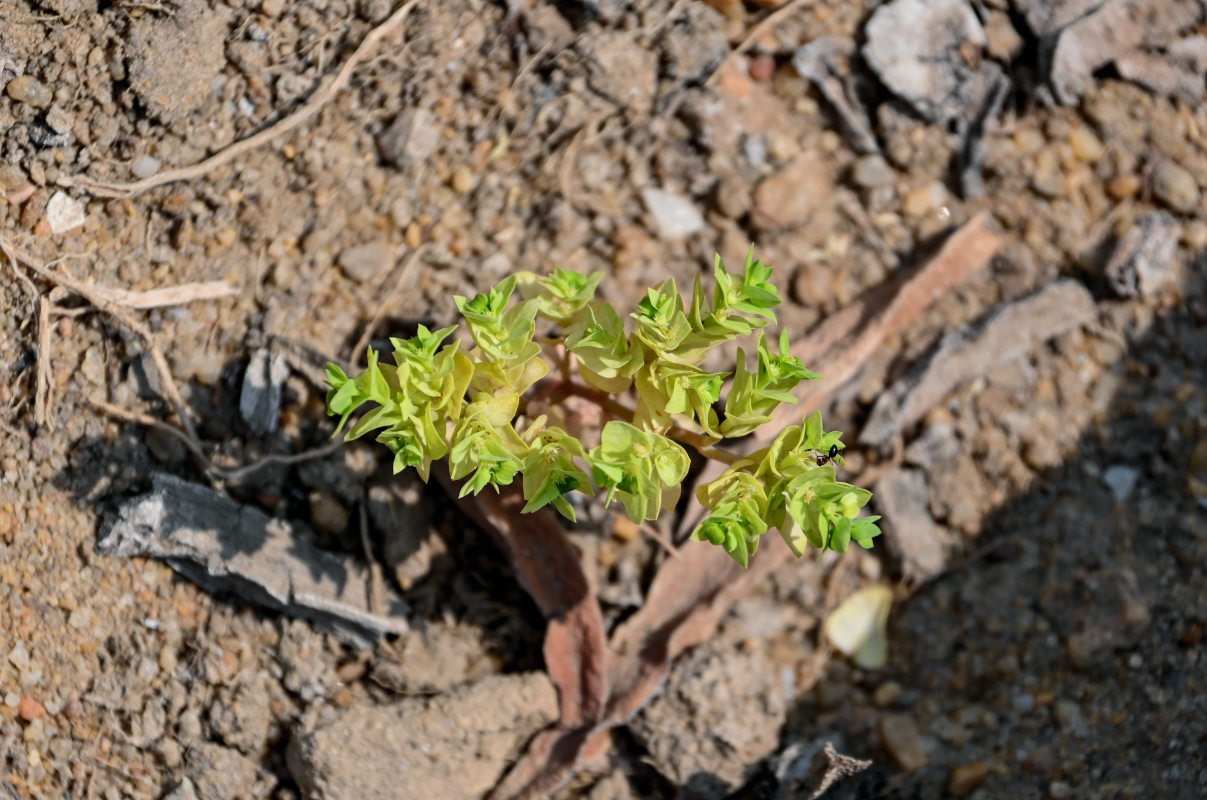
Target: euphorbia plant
[[441, 399]]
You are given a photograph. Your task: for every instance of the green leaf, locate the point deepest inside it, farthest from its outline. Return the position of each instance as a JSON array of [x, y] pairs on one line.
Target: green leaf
[[550, 471], [661, 324], [560, 295], [739, 506], [643, 468], [596, 337], [666, 388]]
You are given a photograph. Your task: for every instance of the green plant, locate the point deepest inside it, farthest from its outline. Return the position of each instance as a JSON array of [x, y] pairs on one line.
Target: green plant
[[471, 405]]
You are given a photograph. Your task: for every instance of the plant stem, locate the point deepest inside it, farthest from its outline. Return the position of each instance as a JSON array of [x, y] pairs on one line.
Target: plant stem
[[702, 444]]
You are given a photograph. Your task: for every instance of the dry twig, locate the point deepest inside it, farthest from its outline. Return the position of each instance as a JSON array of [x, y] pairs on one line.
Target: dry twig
[[98, 299], [230, 474], [42, 388], [319, 99]]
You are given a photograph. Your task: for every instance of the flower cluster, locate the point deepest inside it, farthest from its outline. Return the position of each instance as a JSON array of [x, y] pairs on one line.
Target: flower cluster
[[438, 399]]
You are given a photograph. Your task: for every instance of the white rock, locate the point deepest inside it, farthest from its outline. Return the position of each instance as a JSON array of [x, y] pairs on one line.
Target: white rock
[[145, 166], [64, 212], [674, 217]]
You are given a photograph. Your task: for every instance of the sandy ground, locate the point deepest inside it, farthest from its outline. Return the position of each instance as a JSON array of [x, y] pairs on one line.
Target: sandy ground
[[1053, 650]]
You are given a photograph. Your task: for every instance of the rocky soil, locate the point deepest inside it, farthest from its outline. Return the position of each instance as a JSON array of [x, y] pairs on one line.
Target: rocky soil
[[1043, 477]]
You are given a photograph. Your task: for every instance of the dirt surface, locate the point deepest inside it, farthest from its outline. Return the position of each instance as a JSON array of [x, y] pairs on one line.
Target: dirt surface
[[1051, 645]]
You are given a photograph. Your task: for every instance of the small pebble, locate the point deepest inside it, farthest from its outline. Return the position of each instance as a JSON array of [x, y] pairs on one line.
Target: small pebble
[[1175, 187], [64, 212], [26, 89], [414, 235], [1048, 179], [1123, 186], [327, 514], [1002, 41], [366, 261], [92, 366], [145, 166], [12, 178], [80, 619], [30, 709], [1028, 141], [1059, 790], [59, 120], [1086, 146], [463, 181], [674, 217], [170, 750], [872, 171], [19, 657], [886, 694], [762, 67], [967, 777], [1121, 480], [901, 739], [925, 199]]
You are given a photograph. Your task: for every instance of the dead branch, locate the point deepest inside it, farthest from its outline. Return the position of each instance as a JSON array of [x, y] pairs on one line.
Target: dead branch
[[169, 296], [319, 99]]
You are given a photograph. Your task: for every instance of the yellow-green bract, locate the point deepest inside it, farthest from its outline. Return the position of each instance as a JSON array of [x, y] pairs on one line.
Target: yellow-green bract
[[440, 399]]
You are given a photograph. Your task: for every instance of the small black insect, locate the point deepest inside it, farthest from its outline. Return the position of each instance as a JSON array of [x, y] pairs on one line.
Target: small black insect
[[826, 458]]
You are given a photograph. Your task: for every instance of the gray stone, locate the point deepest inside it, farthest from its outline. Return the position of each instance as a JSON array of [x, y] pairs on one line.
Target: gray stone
[[1177, 72], [411, 138], [1098, 33], [721, 712], [365, 262], [1175, 187], [915, 48], [184, 791], [1121, 480], [872, 171], [910, 533], [1143, 259]]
